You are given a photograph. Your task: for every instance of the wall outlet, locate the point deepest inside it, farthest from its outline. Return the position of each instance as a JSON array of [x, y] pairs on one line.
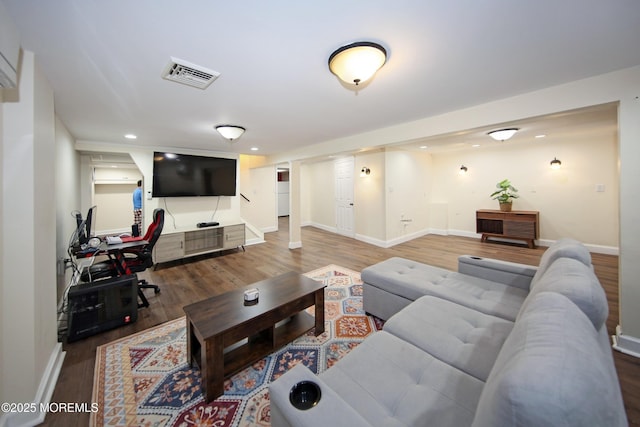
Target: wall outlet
[[599, 188]]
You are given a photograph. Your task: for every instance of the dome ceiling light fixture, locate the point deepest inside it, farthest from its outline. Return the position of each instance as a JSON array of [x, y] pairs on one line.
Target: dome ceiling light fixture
[[503, 134], [230, 132], [357, 62]]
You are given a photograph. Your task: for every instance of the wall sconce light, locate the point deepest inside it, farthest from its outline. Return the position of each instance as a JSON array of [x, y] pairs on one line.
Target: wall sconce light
[[365, 171], [503, 134], [357, 62], [230, 132], [463, 170], [555, 163]]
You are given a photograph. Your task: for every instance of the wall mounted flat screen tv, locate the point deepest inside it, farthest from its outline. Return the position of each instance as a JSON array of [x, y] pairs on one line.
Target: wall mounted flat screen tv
[[182, 175]]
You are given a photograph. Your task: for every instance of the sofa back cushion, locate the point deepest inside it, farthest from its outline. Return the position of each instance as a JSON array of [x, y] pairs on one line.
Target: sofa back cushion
[[562, 248], [552, 371], [576, 281]]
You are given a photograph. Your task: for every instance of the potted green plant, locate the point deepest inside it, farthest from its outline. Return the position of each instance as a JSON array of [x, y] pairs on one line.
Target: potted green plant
[[505, 194]]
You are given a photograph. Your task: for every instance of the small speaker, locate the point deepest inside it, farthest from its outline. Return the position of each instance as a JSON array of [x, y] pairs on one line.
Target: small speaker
[[102, 305]]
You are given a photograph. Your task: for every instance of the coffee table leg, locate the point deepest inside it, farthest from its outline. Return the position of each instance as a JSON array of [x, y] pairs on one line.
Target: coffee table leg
[[319, 311], [190, 342], [212, 369]]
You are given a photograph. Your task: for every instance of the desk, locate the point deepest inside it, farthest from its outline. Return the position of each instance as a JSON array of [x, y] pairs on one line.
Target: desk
[[106, 249], [116, 253]]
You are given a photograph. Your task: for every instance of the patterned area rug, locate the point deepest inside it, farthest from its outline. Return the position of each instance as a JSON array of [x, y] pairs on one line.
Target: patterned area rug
[[145, 380]]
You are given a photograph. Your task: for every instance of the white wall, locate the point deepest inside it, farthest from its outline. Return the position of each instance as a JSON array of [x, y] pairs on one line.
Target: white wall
[[370, 198], [319, 194], [417, 186], [629, 123], [408, 194], [115, 208], [31, 356], [4, 392], [559, 195], [257, 182], [67, 183], [398, 186], [113, 194]]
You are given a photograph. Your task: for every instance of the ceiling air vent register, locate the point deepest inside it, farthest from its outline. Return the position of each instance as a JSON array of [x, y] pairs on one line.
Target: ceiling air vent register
[[184, 72]]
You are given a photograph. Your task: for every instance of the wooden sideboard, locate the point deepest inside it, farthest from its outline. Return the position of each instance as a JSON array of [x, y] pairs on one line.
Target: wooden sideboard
[[518, 225]]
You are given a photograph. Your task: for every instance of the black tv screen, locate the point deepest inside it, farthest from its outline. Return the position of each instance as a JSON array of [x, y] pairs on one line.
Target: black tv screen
[[183, 175]]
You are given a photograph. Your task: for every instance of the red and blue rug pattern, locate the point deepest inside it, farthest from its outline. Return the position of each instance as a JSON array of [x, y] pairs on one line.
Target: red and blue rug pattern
[[145, 380]]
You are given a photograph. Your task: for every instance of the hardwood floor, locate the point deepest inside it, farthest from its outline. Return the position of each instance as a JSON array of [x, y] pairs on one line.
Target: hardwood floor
[[186, 282]]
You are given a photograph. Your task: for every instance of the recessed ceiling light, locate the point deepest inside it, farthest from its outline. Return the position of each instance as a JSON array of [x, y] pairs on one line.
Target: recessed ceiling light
[[423, 147], [540, 136], [130, 136], [254, 148], [476, 145]]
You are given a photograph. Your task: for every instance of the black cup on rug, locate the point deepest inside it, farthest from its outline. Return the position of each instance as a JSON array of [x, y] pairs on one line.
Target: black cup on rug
[[305, 395]]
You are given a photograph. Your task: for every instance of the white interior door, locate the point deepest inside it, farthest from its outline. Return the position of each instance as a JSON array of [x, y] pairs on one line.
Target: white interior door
[[344, 196]]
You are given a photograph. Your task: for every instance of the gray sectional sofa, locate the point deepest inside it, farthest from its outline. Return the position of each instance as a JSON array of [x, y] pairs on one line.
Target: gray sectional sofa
[[494, 344]]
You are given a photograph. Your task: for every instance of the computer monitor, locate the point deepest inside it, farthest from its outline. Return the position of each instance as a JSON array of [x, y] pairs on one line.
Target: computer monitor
[[85, 228], [91, 222]]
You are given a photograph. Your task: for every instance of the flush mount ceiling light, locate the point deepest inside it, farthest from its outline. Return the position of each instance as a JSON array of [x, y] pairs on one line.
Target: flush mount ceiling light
[[357, 62], [555, 163], [503, 134], [230, 132]]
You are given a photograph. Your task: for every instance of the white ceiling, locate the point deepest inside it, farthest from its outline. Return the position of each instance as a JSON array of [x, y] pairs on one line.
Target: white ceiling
[[104, 60]]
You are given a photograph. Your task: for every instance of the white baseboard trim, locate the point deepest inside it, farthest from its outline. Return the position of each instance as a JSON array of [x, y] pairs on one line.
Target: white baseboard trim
[[269, 229], [43, 395], [606, 250], [407, 237], [295, 245], [461, 233], [372, 241], [438, 231], [625, 343], [322, 227], [255, 241], [599, 249]]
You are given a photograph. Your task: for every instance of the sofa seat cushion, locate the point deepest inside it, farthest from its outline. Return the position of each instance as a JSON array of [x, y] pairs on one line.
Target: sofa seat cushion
[[411, 280], [459, 336], [577, 282], [552, 371], [391, 382], [400, 276]]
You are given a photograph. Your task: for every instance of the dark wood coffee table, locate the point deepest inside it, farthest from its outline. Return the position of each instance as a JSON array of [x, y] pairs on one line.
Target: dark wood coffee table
[[216, 327]]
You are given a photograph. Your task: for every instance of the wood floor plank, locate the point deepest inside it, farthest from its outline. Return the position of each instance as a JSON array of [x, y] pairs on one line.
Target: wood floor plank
[[186, 282]]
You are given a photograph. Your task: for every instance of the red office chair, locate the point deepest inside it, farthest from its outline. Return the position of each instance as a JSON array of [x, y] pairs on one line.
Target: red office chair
[[131, 260]]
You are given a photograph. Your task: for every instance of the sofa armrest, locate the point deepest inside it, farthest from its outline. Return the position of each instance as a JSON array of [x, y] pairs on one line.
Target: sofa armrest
[[330, 408], [508, 273]]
